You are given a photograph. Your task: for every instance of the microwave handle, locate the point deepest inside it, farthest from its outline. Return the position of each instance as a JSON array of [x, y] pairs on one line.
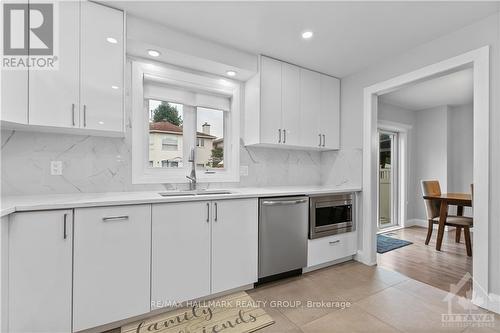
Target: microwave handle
[[333, 204]]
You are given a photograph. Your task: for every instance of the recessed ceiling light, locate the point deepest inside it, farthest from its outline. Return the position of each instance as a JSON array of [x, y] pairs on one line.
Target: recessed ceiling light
[[231, 73], [154, 53], [114, 87], [111, 40], [307, 34]]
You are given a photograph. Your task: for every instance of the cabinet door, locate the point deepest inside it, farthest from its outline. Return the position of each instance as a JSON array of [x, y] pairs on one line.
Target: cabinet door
[[40, 271], [14, 96], [111, 264], [102, 55], [270, 103], [180, 252], [234, 244], [291, 104], [310, 105], [329, 116], [53, 94]]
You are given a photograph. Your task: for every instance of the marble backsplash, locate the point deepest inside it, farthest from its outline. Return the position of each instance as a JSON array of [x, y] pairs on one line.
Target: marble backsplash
[[98, 164]]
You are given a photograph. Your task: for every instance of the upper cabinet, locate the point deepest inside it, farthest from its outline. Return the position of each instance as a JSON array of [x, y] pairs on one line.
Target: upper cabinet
[[289, 106], [85, 93], [101, 75]]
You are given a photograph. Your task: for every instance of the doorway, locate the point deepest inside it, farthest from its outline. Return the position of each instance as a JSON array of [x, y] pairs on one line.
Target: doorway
[[479, 60], [388, 180]]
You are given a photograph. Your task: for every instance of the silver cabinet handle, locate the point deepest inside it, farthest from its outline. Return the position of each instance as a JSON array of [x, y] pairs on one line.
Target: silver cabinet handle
[[283, 202], [65, 220], [73, 114], [115, 218], [334, 242], [84, 115], [208, 212], [279, 135], [216, 213], [284, 136], [319, 140], [324, 140]]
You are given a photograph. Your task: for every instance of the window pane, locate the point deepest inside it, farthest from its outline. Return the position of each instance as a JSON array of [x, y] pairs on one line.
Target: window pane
[[165, 134], [209, 138]]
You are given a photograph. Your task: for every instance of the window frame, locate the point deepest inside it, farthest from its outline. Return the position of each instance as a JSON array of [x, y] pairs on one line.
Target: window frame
[[141, 172]]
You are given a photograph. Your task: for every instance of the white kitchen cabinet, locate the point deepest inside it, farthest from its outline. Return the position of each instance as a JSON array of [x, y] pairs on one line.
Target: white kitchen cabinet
[[271, 101], [85, 94], [330, 248], [14, 96], [329, 115], [292, 107], [102, 57], [40, 271], [310, 107], [290, 114], [53, 94], [111, 279], [201, 248], [180, 252], [234, 243]]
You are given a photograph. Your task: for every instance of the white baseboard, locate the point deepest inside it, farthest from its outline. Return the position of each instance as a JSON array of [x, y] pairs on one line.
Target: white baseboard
[[424, 224], [490, 303], [327, 264]]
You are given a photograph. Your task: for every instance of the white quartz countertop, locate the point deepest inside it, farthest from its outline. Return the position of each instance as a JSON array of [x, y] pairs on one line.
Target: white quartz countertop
[[78, 200]]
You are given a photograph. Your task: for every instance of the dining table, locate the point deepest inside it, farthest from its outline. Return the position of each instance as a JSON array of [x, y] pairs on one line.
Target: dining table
[[460, 200]]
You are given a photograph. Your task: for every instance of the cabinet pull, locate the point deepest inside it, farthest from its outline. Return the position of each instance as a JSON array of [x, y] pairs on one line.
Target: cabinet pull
[[334, 242], [208, 212], [84, 115], [324, 140], [73, 114], [115, 218], [319, 140], [65, 235], [284, 136], [216, 213], [279, 135]]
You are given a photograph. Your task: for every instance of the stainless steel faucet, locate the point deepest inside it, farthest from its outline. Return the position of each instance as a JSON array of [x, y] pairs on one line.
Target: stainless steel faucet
[[192, 175]]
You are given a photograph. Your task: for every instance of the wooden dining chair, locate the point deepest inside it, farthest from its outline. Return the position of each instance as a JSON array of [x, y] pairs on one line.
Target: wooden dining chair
[[432, 187]]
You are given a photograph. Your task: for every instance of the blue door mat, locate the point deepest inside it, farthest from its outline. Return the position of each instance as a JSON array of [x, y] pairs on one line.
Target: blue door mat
[[386, 244]]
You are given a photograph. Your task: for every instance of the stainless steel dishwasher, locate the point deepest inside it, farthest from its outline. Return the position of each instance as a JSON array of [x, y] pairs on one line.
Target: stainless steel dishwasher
[[283, 228]]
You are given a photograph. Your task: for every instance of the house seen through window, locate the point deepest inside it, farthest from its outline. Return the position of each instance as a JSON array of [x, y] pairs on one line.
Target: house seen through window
[[167, 138]]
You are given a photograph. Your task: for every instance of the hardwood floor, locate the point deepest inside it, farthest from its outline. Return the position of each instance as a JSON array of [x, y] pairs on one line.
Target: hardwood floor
[[423, 263]]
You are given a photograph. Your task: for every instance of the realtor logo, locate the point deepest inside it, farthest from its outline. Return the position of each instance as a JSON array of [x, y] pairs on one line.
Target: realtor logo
[[29, 35]]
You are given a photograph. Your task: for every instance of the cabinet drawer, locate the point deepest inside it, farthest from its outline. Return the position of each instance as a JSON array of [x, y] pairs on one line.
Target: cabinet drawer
[[331, 248]]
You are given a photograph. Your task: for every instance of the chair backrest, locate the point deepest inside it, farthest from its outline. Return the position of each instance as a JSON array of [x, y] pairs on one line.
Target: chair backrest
[[431, 187]]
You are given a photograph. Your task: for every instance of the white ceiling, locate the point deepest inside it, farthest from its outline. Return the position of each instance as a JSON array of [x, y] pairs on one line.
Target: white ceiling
[[348, 36], [452, 89]]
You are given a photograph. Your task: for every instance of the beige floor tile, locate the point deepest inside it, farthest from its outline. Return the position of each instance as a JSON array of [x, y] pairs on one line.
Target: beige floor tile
[[293, 299], [352, 320], [405, 312]]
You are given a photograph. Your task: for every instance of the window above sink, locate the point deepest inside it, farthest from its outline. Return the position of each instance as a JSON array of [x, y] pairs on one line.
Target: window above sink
[[179, 111]]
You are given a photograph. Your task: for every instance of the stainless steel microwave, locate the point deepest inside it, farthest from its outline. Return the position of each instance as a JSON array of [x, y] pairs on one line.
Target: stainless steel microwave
[[331, 215]]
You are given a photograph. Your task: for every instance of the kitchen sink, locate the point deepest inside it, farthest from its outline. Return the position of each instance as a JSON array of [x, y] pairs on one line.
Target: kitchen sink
[[193, 193]]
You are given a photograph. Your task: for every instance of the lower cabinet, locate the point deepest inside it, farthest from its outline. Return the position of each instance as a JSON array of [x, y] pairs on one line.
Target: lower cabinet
[[180, 252], [111, 279], [202, 248], [39, 271], [330, 248], [234, 243]]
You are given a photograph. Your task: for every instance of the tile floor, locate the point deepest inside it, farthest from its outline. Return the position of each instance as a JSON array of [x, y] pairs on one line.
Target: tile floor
[[380, 301]]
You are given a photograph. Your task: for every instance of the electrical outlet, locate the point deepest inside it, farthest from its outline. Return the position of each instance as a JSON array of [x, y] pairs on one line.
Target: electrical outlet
[[56, 168], [243, 170]]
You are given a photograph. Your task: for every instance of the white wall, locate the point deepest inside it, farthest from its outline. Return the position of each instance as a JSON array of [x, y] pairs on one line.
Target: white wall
[[479, 34], [431, 154], [460, 148]]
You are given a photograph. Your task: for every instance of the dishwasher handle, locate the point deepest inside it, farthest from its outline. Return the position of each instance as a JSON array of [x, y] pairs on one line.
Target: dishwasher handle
[[283, 202]]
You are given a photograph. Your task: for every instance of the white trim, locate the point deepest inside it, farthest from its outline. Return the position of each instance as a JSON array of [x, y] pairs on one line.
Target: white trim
[[479, 59], [141, 173]]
